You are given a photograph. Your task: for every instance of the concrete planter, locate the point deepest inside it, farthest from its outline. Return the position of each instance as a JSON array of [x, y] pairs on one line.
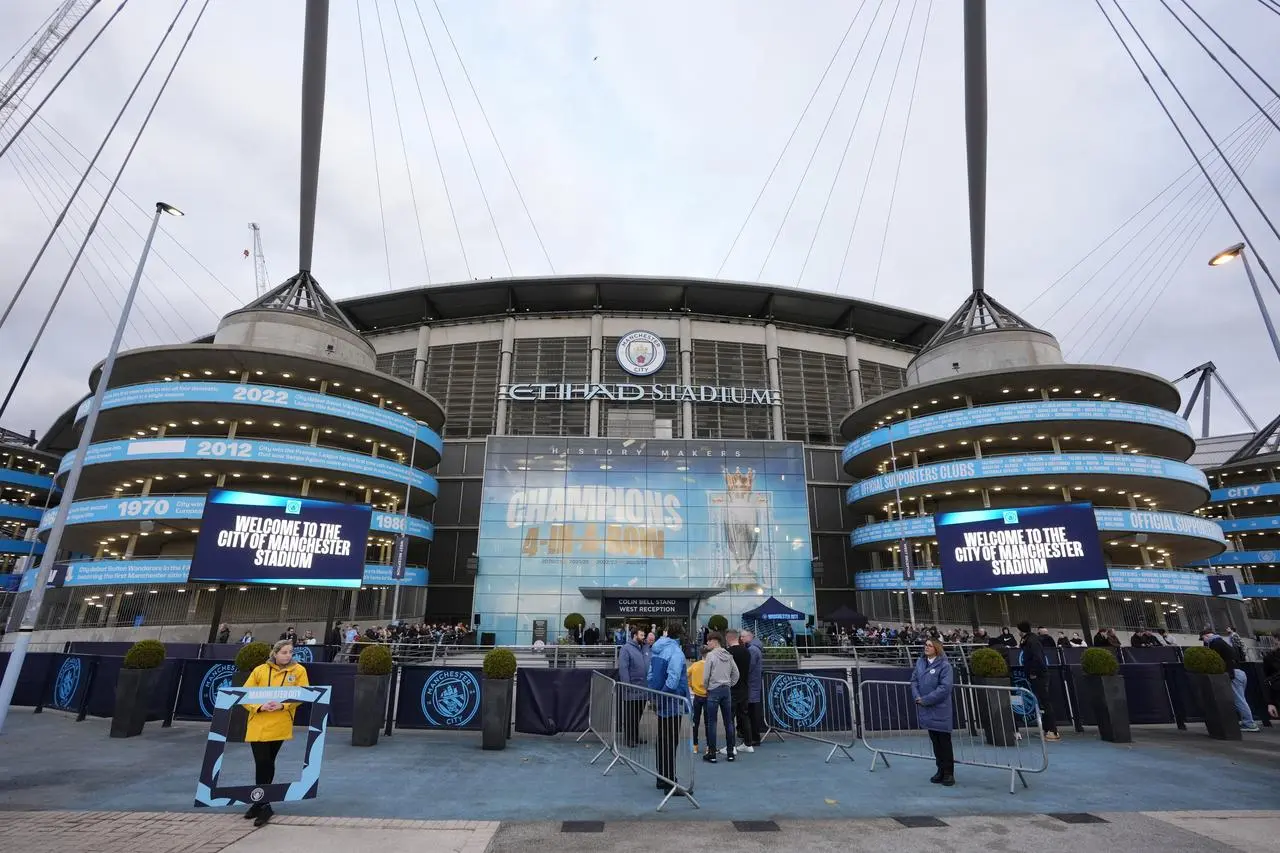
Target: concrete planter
[[370, 709], [1104, 695], [1218, 704], [995, 712], [133, 697], [495, 713]]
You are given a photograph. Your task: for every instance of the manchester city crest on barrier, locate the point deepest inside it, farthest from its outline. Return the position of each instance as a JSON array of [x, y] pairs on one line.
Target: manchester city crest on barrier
[[451, 698], [1024, 701], [218, 677], [67, 683], [797, 701], [303, 654]]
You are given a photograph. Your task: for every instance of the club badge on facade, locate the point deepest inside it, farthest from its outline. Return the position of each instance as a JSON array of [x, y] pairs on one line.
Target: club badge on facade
[[641, 353]]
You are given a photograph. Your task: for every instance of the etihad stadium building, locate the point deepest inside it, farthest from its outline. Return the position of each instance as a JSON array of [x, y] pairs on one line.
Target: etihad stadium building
[[631, 449]]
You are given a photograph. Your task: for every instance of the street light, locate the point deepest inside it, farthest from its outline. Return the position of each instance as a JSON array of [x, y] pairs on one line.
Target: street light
[[36, 598], [1228, 255]]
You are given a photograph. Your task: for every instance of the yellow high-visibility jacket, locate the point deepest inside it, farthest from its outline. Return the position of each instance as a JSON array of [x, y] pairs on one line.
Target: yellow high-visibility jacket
[[274, 725]]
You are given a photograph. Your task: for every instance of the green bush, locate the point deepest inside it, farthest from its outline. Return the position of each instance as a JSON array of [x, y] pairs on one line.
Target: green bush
[[253, 654], [988, 663], [375, 660], [145, 654], [718, 623], [1099, 662], [499, 664], [1203, 660], [574, 620]]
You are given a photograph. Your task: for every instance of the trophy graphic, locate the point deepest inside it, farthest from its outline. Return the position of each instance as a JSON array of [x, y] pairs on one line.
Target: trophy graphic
[[741, 524]]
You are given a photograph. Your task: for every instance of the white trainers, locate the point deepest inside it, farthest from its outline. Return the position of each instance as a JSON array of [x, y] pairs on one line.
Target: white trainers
[[746, 749]]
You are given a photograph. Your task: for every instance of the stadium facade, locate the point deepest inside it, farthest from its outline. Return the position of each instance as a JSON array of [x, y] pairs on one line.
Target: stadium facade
[[632, 449]]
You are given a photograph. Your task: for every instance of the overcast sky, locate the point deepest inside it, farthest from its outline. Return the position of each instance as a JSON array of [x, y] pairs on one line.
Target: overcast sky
[[640, 136]]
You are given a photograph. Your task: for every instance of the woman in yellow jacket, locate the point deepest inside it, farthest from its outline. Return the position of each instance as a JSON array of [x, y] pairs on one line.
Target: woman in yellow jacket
[[271, 723]]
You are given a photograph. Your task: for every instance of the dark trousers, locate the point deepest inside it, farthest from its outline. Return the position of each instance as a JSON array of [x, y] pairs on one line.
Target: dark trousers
[[699, 708], [264, 760], [632, 710], [668, 740], [756, 711], [942, 753], [742, 719], [1040, 687], [718, 703]]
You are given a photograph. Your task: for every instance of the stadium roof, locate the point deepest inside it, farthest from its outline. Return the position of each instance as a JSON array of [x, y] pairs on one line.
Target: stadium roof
[[647, 294]]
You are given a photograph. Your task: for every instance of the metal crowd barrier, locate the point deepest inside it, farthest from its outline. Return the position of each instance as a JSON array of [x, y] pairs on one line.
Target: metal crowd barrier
[[659, 746], [986, 731], [601, 715], [813, 707]]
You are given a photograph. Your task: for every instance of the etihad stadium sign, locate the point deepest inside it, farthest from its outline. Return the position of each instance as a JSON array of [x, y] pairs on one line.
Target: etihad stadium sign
[[629, 392]]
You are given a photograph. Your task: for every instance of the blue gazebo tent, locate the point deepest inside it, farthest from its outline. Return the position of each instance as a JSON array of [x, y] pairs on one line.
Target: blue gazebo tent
[[773, 610]]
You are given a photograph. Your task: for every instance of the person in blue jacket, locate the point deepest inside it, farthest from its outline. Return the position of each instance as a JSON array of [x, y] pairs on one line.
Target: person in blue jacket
[[755, 689], [931, 684], [668, 674], [633, 669]]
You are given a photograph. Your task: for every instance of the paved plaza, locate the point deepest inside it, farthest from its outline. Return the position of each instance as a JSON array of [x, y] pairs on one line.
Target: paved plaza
[[66, 786]]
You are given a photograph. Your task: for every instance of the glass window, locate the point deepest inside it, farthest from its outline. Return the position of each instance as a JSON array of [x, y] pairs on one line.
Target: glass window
[[815, 393], [463, 378]]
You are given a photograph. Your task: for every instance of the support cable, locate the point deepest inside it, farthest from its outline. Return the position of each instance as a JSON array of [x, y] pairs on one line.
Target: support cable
[[466, 146], [58, 84], [1271, 6], [18, 89], [146, 120], [1224, 68], [404, 149], [494, 136], [1262, 212], [373, 136], [1230, 139], [35, 35], [1256, 134], [435, 149], [1187, 143], [85, 176], [790, 138], [818, 145], [897, 169], [857, 118]]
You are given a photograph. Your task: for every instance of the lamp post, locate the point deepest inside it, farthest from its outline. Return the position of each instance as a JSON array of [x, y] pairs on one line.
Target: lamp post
[[1228, 255], [36, 598]]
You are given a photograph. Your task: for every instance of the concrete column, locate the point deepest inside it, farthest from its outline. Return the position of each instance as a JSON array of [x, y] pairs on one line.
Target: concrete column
[[775, 377], [854, 367], [597, 370], [686, 375], [504, 371], [420, 356]]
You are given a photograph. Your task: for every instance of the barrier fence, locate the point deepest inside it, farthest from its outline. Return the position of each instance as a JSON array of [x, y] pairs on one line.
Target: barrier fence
[[815, 707], [992, 726], [656, 738], [601, 714]]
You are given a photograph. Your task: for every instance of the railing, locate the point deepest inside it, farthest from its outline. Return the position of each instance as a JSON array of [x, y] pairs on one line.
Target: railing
[[602, 722], [656, 738], [985, 730], [814, 707]]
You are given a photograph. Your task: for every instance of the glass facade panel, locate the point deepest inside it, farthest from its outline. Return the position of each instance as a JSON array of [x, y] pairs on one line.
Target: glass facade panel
[[730, 364], [816, 390]]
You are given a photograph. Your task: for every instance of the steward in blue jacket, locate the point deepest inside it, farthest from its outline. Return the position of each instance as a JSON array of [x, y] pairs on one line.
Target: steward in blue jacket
[[668, 673]]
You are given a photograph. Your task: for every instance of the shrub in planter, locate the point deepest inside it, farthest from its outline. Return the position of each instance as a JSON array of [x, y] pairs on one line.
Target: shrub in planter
[[718, 623], [987, 667], [249, 658], [495, 698], [1212, 687], [134, 685], [1102, 690], [574, 623], [373, 683]]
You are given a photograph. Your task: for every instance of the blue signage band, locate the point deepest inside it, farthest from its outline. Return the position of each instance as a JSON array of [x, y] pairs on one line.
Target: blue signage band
[[1157, 581], [1012, 414], [35, 482], [939, 474], [1242, 558], [1243, 493], [268, 396], [157, 507], [141, 572], [254, 451], [1257, 522], [1109, 520]]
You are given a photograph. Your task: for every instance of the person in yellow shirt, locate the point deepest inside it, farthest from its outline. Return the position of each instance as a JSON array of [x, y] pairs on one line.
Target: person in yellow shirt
[[271, 723], [699, 691]]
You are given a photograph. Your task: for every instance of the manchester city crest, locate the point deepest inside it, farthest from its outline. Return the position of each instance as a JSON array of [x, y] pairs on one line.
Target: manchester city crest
[[451, 698], [797, 702], [67, 683], [641, 353], [1023, 701], [303, 654], [218, 677]]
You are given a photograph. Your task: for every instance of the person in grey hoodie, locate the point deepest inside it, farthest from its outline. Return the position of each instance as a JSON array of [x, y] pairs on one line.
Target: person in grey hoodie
[[755, 688], [719, 674], [633, 669]]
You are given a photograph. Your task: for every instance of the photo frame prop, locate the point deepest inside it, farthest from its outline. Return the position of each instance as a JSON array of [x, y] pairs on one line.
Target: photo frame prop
[[210, 795]]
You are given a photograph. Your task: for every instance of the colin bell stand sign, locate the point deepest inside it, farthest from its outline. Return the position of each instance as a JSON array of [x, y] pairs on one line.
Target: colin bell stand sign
[[210, 794]]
